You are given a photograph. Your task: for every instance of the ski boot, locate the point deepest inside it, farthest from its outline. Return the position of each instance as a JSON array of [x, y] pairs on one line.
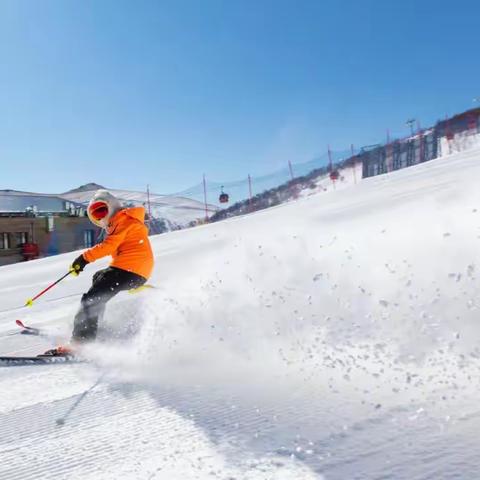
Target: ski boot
[[60, 351]]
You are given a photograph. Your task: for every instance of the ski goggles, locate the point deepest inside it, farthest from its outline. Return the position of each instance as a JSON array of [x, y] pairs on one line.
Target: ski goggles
[[98, 210]]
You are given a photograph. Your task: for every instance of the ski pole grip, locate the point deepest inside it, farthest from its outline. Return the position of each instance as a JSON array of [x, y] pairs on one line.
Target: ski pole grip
[[74, 271]]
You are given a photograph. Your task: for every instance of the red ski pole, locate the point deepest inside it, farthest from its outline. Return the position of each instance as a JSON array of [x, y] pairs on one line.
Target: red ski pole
[[30, 301]]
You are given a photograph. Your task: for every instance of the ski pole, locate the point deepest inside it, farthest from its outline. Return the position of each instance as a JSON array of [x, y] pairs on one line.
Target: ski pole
[[61, 421], [30, 301]]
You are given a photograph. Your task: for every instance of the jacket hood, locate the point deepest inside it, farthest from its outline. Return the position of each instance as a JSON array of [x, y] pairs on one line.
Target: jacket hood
[[112, 202], [138, 213]]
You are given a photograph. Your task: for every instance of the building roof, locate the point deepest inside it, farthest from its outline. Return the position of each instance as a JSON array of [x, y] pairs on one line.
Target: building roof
[[15, 202]]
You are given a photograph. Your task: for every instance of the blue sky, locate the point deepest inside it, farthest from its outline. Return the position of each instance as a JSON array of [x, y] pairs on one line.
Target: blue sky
[[126, 93]]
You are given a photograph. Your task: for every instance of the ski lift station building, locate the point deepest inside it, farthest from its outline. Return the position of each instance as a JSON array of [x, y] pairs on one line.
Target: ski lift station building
[[36, 225]]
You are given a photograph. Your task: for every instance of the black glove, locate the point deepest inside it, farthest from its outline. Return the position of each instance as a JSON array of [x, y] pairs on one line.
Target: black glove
[[78, 264]]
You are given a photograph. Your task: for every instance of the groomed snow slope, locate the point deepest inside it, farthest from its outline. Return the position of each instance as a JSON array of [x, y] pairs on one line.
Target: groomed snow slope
[[334, 337]]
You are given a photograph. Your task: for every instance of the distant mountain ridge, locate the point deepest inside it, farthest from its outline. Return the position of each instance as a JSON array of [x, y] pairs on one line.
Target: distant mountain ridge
[[88, 187]]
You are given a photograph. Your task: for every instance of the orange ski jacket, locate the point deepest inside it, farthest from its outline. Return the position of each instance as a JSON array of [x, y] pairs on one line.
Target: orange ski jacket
[[127, 242]]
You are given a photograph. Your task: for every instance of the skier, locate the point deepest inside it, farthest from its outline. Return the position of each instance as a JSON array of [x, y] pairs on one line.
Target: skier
[[128, 244]]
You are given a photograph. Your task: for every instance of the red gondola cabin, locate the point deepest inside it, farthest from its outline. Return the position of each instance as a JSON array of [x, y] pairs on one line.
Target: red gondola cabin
[[334, 175], [223, 198]]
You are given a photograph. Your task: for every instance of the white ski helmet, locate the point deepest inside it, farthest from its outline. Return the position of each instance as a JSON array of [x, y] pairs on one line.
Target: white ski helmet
[[102, 207]]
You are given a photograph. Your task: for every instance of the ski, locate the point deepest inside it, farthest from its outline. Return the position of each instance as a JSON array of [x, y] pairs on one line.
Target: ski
[[26, 330], [38, 360]]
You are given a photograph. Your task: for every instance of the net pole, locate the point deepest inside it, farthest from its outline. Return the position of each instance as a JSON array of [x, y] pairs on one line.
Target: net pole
[[205, 197]]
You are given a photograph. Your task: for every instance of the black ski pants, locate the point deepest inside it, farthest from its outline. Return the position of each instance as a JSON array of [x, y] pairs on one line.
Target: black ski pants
[[106, 284]]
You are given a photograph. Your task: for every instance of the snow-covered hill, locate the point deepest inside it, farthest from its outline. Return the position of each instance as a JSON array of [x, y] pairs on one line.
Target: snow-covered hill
[[332, 337], [239, 189], [317, 181]]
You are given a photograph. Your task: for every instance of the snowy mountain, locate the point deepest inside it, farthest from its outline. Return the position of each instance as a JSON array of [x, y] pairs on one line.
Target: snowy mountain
[[88, 187], [335, 336]]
